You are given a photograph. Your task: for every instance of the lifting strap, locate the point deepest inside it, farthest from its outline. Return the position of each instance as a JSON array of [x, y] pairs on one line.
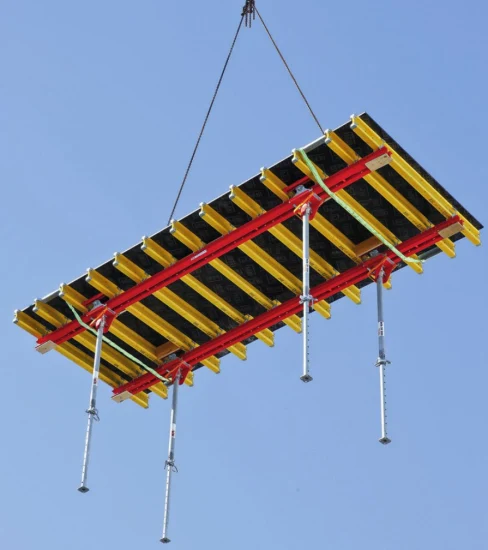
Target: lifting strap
[[117, 347], [353, 213]]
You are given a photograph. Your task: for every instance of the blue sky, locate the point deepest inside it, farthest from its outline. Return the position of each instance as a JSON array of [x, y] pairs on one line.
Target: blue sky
[[100, 104]]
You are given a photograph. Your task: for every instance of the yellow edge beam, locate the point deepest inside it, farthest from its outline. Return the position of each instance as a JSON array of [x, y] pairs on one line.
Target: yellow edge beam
[[157, 323], [256, 253], [409, 174], [165, 259], [354, 205], [291, 241], [72, 353], [194, 243], [88, 340], [172, 300], [320, 223], [379, 184]]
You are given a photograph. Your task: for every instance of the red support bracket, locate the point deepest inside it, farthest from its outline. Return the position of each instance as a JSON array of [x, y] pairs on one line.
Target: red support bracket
[[310, 199], [173, 367], [384, 263], [98, 313], [322, 291], [216, 248]]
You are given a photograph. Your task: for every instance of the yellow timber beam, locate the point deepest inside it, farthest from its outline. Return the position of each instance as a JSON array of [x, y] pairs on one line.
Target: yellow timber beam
[[173, 301], [88, 340], [320, 223], [386, 190], [367, 246], [164, 258], [165, 349], [291, 241], [194, 243], [354, 205], [409, 174], [251, 249], [79, 357], [157, 323]]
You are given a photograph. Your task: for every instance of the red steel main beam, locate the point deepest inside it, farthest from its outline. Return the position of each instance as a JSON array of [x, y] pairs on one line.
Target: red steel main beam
[[291, 307], [216, 248]]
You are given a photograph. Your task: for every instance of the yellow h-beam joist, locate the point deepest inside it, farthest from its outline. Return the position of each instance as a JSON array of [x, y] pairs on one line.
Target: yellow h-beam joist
[[291, 241], [319, 222], [164, 258], [117, 328], [88, 340], [194, 243], [172, 300], [409, 174], [74, 354], [151, 319], [354, 205], [386, 190], [251, 249]]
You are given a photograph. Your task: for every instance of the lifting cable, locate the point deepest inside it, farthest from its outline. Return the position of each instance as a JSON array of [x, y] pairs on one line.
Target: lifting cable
[[248, 15], [244, 14], [289, 72]]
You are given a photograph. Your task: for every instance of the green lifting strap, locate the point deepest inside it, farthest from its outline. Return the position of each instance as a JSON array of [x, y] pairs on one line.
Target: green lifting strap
[[117, 347], [348, 209]]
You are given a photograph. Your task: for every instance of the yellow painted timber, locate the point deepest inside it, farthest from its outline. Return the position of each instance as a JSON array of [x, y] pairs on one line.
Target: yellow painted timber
[[319, 222], [256, 253], [166, 349], [117, 328], [172, 300], [367, 246], [409, 174], [354, 205], [291, 241], [88, 340], [74, 354], [164, 258], [157, 323], [379, 184]]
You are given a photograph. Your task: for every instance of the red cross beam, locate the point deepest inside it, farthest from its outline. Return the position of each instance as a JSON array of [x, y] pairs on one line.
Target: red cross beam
[[341, 179], [322, 291]]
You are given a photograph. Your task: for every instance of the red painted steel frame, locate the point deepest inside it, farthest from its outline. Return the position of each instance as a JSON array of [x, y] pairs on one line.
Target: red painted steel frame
[[269, 318], [216, 248]]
